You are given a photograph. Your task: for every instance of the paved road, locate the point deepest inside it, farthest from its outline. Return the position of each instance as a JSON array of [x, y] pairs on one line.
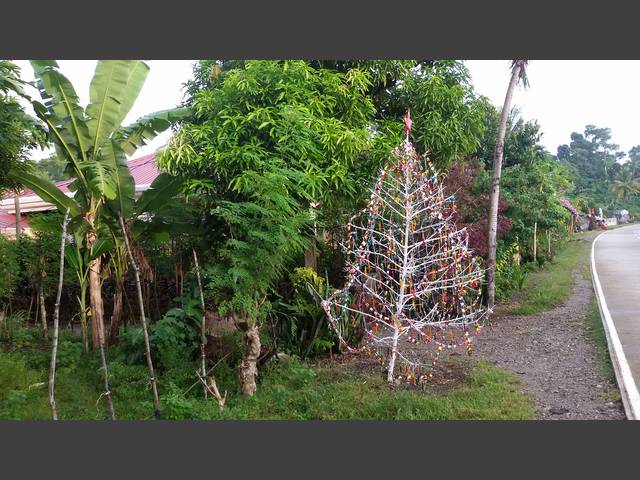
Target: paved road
[[616, 265]]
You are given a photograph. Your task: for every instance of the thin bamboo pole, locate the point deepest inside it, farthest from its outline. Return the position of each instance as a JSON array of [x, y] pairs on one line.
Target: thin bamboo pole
[[203, 325], [136, 271], [56, 322]]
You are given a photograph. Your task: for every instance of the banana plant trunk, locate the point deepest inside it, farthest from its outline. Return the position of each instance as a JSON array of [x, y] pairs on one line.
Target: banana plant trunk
[[95, 300], [97, 318], [116, 315], [248, 368], [495, 188], [84, 328]]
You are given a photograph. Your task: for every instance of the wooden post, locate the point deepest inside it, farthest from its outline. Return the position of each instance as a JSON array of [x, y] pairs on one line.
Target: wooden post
[[16, 201], [535, 242]]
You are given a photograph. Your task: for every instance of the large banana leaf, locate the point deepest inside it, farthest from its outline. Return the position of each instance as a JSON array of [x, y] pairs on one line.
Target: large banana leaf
[[137, 77], [146, 128], [62, 111], [112, 154], [163, 189], [114, 88], [101, 177], [48, 192]]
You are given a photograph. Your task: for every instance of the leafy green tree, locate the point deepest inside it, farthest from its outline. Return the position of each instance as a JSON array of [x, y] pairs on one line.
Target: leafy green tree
[[591, 158], [521, 142], [634, 160], [51, 168], [267, 141], [9, 274], [18, 131], [532, 193]]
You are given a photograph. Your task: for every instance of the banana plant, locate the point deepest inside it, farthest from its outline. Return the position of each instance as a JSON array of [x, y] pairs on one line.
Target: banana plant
[[94, 144]]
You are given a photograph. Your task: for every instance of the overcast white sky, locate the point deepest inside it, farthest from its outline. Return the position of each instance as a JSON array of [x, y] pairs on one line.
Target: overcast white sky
[[564, 96]]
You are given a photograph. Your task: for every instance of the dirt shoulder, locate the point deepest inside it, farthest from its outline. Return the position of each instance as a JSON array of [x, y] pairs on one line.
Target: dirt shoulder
[[555, 358]]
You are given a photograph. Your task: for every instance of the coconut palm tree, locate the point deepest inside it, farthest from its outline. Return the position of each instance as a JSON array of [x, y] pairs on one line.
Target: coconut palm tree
[[625, 185], [518, 74]]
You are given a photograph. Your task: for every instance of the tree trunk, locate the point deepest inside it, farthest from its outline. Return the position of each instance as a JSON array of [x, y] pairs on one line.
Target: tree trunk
[[248, 370], [203, 325], [16, 201], [311, 256], [56, 323], [116, 315], [495, 189], [43, 312], [154, 389], [394, 352]]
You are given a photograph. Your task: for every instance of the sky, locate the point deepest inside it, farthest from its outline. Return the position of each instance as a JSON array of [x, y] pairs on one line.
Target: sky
[[563, 96]]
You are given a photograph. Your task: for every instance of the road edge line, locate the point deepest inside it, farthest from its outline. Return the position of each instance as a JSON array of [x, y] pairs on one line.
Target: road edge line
[[627, 385]]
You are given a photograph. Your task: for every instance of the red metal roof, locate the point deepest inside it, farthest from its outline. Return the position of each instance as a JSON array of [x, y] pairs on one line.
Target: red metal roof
[[9, 221], [143, 170]]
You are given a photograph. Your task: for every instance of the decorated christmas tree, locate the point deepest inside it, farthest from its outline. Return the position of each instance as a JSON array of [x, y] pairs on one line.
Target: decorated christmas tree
[[412, 283]]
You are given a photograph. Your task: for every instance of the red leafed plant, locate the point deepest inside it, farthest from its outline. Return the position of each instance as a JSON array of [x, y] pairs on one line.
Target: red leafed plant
[[473, 207]]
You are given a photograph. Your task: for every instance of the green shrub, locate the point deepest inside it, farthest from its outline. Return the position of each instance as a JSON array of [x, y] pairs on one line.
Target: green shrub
[[509, 275], [69, 354], [174, 340], [302, 326]]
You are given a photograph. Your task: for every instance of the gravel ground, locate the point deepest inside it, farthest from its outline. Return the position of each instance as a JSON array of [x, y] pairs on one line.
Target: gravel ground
[[555, 360]]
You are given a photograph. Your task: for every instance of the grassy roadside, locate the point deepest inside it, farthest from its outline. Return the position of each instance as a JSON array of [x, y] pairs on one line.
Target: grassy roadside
[[551, 286], [287, 390]]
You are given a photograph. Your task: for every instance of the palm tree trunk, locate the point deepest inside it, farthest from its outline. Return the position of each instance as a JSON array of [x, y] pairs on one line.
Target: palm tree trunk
[[56, 322], [495, 188], [154, 389]]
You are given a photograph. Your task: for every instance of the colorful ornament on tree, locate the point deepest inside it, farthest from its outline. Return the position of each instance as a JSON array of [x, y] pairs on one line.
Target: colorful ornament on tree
[[412, 283]]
